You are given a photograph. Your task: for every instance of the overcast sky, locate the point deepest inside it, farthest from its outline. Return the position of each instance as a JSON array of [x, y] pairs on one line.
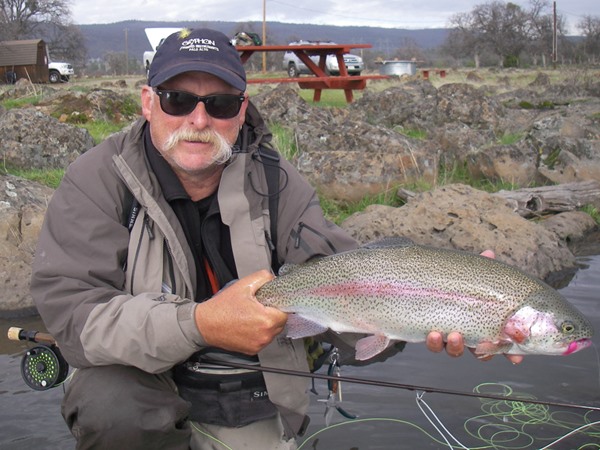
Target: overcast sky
[[413, 14]]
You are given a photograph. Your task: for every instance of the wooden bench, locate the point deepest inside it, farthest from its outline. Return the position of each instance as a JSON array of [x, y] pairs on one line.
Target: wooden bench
[[440, 72]]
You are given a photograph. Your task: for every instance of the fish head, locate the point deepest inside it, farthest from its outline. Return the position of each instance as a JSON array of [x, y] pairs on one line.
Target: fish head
[[547, 324]]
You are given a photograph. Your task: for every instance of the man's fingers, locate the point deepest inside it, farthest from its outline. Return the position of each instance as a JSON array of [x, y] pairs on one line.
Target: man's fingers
[[435, 342], [455, 345]]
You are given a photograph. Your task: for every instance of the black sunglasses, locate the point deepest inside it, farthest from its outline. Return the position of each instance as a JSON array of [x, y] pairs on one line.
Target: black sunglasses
[[180, 103]]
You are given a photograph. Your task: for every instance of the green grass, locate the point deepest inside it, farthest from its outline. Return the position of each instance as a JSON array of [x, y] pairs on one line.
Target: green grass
[[414, 133], [284, 141], [459, 174], [330, 98], [592, 211], [47, 177], [338, 211], [100, 130], [21, 102], [510, 138]]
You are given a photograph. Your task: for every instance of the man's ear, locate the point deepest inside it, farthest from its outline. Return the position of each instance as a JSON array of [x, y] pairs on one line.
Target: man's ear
[[242, 114], [147, 97]]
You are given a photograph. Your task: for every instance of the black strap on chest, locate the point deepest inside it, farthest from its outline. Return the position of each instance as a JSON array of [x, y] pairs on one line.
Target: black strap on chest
[[270, 161]]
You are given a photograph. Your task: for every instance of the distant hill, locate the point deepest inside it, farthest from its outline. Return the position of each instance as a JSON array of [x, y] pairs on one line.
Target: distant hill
[[129, 36]]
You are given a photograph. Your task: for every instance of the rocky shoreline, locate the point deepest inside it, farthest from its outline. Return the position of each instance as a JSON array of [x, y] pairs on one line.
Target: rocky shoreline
[[363, 149]]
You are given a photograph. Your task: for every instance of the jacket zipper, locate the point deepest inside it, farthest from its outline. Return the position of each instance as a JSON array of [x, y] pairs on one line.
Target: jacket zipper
[[147, 228], [302, 225]]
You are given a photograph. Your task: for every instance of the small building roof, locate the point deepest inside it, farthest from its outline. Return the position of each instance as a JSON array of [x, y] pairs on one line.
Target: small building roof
[[19, 53]]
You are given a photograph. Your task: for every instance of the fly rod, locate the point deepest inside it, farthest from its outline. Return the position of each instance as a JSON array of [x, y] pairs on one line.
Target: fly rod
[[44, 367], [395, 385]]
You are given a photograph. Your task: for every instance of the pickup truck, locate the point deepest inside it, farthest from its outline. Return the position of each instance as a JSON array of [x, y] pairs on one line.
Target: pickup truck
[[294, 66], [60, 71], [156, 36]]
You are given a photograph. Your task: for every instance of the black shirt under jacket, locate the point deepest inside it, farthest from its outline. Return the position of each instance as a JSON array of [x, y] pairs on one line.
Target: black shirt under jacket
[[206, 234]]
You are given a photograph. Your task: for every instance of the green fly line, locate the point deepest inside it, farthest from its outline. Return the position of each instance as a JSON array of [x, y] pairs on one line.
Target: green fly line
[[509, 422], [502, 425]]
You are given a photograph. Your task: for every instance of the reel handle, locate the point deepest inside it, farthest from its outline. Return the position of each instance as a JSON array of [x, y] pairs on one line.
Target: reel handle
[[19, 334]]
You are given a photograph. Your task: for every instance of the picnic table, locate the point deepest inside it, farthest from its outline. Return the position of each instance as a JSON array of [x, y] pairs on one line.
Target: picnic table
[[319, 78]]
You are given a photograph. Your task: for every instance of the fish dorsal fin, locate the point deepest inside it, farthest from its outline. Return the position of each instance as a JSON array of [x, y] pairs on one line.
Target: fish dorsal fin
[[392, 241]]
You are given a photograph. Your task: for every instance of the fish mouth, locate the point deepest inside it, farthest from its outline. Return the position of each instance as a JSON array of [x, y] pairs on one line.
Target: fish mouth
[[577, 345]]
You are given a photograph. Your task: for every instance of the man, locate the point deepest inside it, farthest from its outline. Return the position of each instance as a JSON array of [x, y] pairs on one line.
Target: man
[[149, 258]]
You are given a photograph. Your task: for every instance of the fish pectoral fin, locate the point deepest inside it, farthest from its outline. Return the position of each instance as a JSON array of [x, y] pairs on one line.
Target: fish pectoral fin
[[487, 348], [370, 346], [299, 327]]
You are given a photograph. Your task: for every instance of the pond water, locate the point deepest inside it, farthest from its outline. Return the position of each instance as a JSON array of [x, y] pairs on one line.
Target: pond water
[[391, 418]]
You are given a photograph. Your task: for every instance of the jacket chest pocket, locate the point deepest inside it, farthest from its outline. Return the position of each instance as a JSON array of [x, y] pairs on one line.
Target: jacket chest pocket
[[149, 264]]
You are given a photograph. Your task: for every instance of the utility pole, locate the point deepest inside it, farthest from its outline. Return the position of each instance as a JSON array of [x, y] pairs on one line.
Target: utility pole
[[264, 37], [554, 41], [126, 55]]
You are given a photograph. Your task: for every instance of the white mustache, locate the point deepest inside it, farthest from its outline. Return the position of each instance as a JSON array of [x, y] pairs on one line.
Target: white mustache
[[206, 136], [222, 147]]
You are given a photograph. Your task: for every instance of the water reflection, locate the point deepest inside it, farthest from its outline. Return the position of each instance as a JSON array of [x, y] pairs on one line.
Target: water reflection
[[390, 418]]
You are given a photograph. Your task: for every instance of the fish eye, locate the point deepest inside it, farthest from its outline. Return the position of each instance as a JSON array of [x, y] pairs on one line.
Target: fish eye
[[568, 327]]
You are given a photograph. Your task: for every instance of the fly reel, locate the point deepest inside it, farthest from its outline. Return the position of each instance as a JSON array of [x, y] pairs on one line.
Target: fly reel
[[43, 367]]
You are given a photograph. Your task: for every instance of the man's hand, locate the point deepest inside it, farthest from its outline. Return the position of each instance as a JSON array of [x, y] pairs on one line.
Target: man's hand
[[234, 320], [455, 345]]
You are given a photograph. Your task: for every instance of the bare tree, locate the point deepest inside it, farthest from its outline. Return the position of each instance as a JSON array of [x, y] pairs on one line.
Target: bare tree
[[503, 29], [118, 63], [409, 49], [541, 22], [66, 42], [463, 39], [590, 29], [43, 19], [21, 19]]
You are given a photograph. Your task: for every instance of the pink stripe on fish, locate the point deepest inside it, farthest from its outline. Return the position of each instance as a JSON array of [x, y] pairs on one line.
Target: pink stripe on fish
[[388, 289]]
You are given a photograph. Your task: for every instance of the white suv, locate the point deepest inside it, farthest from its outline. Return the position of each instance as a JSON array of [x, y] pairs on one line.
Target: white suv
[[294, 66]]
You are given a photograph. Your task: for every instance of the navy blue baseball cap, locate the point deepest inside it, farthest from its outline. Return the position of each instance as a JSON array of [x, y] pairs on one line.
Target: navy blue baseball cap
[[198, 50]]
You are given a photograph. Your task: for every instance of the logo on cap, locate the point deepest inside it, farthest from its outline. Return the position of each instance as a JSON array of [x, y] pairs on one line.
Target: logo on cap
[[199, 45]]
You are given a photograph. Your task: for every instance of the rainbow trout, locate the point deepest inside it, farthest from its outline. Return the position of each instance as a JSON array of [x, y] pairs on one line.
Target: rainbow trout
[[399, 291]]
